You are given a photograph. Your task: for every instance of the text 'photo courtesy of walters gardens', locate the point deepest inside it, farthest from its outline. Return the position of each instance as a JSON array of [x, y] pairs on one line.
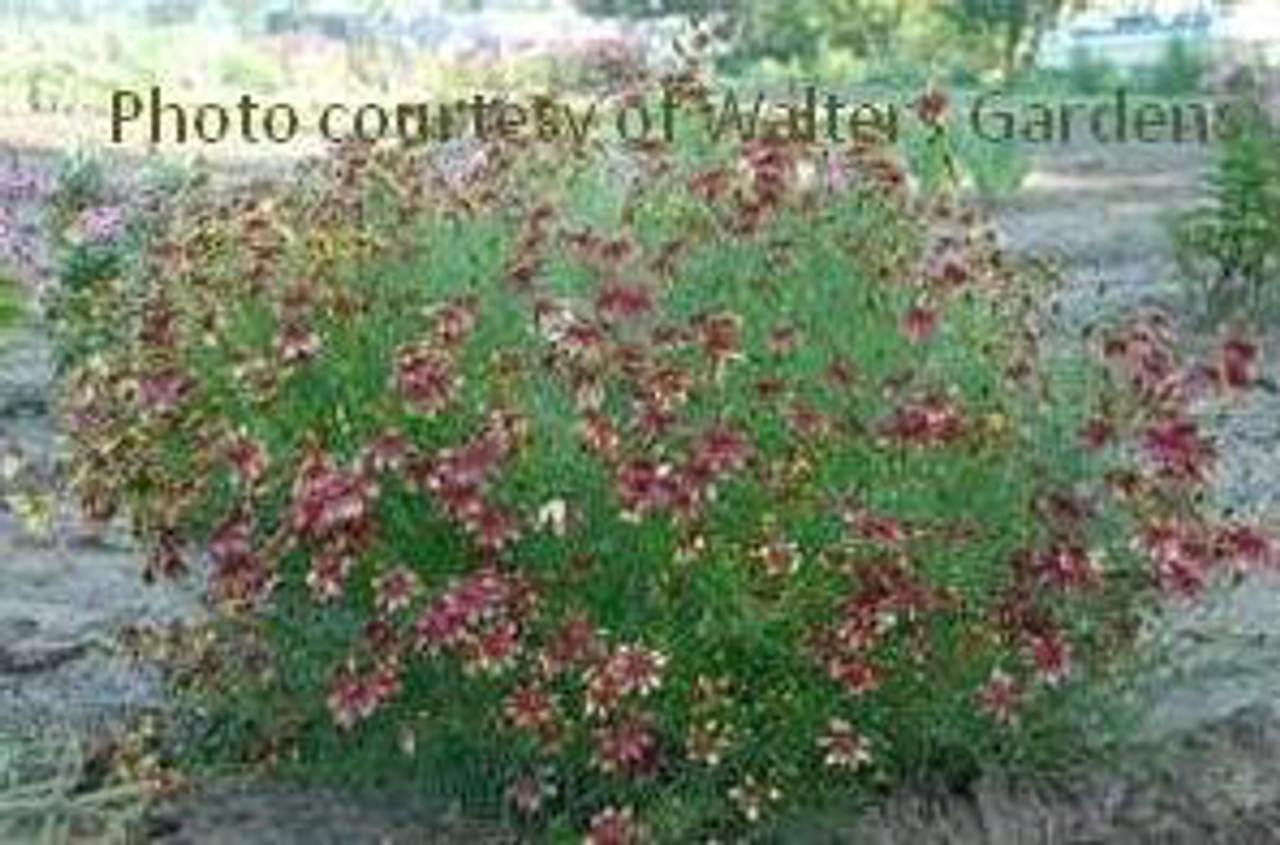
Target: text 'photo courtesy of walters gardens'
[[807, 115]]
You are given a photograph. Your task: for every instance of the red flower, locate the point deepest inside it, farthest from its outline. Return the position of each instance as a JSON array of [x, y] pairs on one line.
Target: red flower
[[425, 378], [494, 649], [919, 323], [248, 458], [297, 344], [932, 421], [328, 576], [328, 501], [1097, 432], [531, 709], [718, 451], [871, 527], [1246, 547], [1068, 566], [1238, 367], [163, 392], [614, 827], [165, 559], [529, 792], [354, 698], [599, 434], [645, 487], [395, 590], [349, 699], [858, 677], [633, 670], [844, 748], [453, 322], [621, 301], [576, 643], [1181, 453], [1000, 697], [1051, 654], [932, 107], [1182, 556], [388, 452], [625, 747], [238, 572], [720, 334]]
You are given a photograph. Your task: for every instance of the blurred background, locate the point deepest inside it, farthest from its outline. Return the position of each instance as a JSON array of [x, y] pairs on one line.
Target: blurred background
[[61, 59]]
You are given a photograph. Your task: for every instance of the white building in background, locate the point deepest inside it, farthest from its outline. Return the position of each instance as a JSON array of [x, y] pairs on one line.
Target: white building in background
[[1137, 33]]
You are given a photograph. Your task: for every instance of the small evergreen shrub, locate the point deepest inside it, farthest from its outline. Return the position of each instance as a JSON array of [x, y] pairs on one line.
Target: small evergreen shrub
[[643, 494], [1229, 246]]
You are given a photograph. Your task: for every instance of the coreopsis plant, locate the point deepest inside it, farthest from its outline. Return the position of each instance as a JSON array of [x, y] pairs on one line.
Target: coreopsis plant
[[645, 494]]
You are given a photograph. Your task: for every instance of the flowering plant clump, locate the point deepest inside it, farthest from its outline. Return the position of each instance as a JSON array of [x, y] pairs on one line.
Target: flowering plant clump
[[652, 491]]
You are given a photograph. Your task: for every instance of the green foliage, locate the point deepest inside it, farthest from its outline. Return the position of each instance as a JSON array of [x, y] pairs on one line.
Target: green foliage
[[1181, 70], [11, 306], [1229, 246], [80, 183]]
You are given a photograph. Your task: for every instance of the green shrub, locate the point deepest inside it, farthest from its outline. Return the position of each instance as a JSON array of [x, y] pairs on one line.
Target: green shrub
[[11, 308], [639, 488], [992, 170], [1180, 71], [1089, 75], [249, 70], [80, 183], [1229, 246]]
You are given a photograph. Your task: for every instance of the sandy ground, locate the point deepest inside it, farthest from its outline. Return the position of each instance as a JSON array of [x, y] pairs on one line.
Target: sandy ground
[[1211, 771]]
